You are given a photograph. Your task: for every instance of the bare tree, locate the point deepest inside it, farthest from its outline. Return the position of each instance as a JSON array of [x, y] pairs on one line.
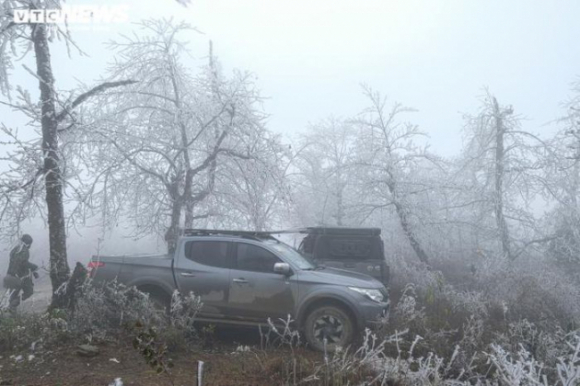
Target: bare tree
[[561, 184], [53, 115], [327, 173], [160, 140], [499, 174], [388, 154], [257, 190]]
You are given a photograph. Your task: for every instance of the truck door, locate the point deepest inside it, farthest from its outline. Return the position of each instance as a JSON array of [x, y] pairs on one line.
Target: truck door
[[256, 292], [203, 268]]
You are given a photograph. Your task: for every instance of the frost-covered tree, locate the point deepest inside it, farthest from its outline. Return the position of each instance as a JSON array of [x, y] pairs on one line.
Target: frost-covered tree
[[498, 177], [561, 184], [389, 153], [325, 192], [38, 161], [256, 191], [157, 144]]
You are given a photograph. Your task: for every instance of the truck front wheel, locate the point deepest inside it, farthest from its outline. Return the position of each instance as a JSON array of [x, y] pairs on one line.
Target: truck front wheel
[[329, 323]]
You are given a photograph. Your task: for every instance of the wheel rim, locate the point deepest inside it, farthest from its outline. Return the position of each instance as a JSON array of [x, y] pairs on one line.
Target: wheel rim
[[329, 327]]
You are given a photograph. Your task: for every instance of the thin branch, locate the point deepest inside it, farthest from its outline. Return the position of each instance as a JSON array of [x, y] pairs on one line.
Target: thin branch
[[536, 241], [95, 90]]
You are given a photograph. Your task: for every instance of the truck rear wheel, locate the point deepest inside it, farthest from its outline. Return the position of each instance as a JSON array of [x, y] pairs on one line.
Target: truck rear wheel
[[329, 323], [160, 302]]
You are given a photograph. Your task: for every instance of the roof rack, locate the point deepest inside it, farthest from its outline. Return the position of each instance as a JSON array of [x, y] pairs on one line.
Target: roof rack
[[332, 231], [226, 232], [268, 234]]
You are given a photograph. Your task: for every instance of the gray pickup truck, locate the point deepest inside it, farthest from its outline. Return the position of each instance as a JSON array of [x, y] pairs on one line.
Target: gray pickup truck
[[244, 278]]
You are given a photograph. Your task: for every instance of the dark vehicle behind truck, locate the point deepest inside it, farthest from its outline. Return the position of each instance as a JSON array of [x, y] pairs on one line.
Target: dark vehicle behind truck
[[354, 249]]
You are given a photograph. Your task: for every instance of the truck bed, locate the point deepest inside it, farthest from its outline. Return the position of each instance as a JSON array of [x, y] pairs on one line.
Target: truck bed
[[129, 268]]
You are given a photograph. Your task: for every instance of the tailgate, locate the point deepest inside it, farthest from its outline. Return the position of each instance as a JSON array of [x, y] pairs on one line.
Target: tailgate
[[105, 267]]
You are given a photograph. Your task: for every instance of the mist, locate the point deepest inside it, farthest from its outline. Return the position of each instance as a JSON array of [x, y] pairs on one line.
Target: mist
[[450, 128]]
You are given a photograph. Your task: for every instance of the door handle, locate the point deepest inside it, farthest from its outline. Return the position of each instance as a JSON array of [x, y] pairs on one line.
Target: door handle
[[240, 281], [187, 274]]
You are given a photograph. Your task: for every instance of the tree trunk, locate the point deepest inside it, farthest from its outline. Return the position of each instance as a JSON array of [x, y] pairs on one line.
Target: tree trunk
[[176, 207], [74, 289], [59, 268], [404, 221], [499, 177], [576, 174], [339, 200], [188, 224]]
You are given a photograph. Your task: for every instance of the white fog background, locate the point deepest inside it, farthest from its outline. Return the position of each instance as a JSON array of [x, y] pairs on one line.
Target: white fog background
[[310, 58]]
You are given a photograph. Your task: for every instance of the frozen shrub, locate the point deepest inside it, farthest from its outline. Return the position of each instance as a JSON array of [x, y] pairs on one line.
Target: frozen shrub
[[184, 309], [348, 367], [407, 312], [102, 311], [30, 331], [520, 369], [370, 366], [178, 329], [523, 369], [551, 295], [276, 336], [406, 309], [104, 308], [568, 367]]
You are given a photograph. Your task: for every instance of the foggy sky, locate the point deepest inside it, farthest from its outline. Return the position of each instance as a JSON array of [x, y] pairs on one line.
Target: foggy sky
[[310, 57]]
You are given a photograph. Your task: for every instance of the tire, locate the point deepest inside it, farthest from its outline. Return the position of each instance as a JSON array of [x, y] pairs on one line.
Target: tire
[[160, 302], [332, 323]]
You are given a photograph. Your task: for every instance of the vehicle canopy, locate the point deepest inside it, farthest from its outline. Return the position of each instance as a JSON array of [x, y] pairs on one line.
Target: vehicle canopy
[[355, 249], [325, 243]]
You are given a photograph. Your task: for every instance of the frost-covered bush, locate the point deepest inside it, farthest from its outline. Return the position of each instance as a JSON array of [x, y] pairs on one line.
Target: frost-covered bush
[[523, 369], [370, 365], [275, 336], [103, 309], [442, 316], [177, 329], [183, 310], [107, 309], [531, 287], [486, 300], [30, 331]]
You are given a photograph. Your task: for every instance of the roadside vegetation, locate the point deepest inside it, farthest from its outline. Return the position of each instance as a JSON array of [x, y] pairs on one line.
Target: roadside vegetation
[[444, 328]]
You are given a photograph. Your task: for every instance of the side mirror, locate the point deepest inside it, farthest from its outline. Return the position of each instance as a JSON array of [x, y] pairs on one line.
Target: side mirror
[[282, 268]]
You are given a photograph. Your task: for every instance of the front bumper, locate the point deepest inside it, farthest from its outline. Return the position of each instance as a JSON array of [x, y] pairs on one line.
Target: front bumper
[[373, 313]]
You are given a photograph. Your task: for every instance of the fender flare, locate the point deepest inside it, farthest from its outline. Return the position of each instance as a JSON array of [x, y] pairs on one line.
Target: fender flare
[[321, 296]]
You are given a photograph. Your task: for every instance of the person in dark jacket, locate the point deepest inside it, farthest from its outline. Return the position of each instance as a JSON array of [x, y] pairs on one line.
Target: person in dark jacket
[[19, 272]]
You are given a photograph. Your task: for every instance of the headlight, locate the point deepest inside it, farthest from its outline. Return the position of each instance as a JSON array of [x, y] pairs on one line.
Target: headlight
[[373, 294]]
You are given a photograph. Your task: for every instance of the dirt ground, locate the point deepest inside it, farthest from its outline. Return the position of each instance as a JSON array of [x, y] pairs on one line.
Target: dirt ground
[[224, 364]]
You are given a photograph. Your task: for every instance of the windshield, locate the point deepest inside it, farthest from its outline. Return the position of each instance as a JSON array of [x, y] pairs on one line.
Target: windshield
[[292, 256]]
